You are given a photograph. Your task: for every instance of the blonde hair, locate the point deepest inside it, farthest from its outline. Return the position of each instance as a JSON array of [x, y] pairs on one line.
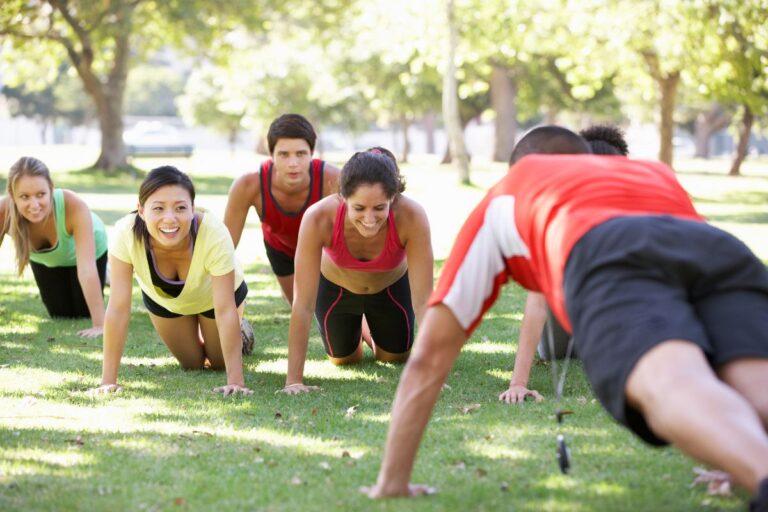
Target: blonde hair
[[14, 223]]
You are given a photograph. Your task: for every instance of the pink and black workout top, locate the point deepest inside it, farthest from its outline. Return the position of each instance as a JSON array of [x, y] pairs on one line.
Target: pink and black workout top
[[391, 256], [280, 227], [527, 224]]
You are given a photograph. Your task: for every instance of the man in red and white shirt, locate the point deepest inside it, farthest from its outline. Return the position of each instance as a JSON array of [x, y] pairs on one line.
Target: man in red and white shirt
[[669, 314]]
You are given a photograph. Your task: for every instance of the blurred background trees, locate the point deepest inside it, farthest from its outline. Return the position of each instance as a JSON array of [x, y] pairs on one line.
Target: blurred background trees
[[350, 65]]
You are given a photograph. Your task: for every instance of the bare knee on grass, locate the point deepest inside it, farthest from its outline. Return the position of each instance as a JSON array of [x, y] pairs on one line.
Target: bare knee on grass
[[181, 336]]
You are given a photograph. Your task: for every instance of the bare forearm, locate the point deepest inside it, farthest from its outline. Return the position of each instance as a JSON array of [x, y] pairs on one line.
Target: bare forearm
[[534, 318], [228, 325], [416, 395], [115, 332], [91, 287], [298, 339]]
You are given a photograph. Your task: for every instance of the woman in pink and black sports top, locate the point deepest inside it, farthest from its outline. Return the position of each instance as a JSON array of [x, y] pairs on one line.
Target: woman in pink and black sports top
[[362, 253]]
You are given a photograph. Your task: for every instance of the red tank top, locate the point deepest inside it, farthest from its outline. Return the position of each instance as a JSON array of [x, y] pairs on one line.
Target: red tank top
[[280, 227], [392, 255]]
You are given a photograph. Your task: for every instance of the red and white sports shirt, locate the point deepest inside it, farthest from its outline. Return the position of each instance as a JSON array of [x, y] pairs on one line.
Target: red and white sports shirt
[[527, 224]]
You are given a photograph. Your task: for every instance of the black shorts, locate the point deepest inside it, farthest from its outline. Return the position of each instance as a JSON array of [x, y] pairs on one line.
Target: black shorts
[[389, 313], [632, 283], [60, 288], [281, 263], [156, 309]]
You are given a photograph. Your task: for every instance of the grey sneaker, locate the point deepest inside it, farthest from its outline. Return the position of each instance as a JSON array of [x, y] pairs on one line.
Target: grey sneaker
[[246, 333]]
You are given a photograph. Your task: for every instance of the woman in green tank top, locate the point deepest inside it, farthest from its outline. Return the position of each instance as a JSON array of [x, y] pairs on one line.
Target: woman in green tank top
[[64, 243]]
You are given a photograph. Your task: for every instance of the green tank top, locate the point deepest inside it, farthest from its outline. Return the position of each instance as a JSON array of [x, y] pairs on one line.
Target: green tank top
[[63, 254]]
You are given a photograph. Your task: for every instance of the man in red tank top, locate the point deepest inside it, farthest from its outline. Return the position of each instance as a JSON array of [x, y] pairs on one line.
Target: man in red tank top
[[280, 192], [669, 314]]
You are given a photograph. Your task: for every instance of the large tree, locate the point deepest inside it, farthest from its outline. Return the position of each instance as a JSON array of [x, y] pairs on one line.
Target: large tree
[[103, 38]]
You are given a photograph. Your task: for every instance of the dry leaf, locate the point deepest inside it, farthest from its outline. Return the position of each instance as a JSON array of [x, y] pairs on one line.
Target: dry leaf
[[481, 472], [718, 482], [202, 433], [470, 408], [446, 387], [460, 464], [179, 501], [297, 481], [351, 411], [313, 412], [345, 453]]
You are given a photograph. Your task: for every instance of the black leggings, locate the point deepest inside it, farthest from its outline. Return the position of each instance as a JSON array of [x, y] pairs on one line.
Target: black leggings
[[60, 288], [339, 314]]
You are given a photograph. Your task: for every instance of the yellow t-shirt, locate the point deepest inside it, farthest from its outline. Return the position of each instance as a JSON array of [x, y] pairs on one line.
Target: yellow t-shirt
[[213, 255]]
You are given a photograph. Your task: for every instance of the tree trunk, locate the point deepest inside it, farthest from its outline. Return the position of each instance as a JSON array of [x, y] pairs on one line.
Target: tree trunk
[[107, 95], [503, 102], [668, 87], [447, 154], [429, 128], [451, 116], [667, 83], [744, 133], [404, 124], [707, 124]]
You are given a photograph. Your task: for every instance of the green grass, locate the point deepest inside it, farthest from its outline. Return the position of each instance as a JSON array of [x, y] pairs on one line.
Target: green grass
[[168, 443]]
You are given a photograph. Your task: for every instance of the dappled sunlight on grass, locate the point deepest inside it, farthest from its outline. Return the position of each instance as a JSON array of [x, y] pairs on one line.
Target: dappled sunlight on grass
[[494, 451], [318, 370], [488, 347], [32, 461], [500, 374]]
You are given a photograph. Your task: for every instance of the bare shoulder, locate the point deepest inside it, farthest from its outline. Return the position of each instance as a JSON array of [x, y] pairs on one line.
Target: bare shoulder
[[408, 210], [247, 187], [331, 175], [323, 211], [74, 204]]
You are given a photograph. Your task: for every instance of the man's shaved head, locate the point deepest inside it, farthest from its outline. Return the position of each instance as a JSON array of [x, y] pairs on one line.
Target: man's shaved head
[[549, 140]]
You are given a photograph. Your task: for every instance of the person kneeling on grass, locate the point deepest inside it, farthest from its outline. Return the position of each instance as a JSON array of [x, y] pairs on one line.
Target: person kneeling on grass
[[669, 314], [61, 239], [191, 284], [363, 252]]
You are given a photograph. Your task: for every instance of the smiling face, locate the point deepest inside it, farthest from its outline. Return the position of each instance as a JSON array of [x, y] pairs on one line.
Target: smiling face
[[168, 214], [32, 196], [291, 159], [368, 208]]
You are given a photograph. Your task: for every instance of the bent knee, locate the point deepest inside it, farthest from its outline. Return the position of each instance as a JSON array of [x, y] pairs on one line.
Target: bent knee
[[389, 357]]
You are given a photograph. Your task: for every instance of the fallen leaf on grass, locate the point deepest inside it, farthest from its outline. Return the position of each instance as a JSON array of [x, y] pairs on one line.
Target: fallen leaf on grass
[[718, 482], [459, 464], [481, 472], [297, 481], [446, 387], [351, 412], [470, 408], [179, 501], [313, 412], [202, 433], [50, 339]]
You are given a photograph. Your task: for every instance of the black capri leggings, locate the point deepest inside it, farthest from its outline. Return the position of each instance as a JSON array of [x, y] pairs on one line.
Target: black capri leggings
[[339, 314], [60, 289]]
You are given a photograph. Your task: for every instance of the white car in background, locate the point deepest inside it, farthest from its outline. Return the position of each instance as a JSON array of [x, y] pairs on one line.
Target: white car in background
[[155, 138]]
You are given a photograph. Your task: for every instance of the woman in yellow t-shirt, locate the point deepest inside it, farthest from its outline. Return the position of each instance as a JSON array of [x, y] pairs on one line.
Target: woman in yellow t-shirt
[[191, 284]]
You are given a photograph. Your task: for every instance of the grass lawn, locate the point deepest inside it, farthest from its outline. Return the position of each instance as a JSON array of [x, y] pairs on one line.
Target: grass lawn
[[168, 443]]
